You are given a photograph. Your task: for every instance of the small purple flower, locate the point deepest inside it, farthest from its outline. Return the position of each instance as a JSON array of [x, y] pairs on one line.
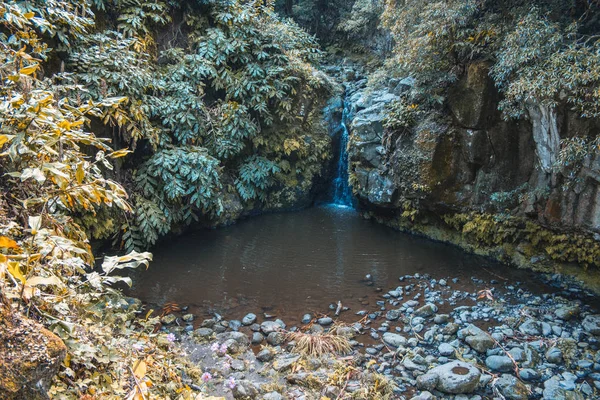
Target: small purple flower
[[215, 347], [138, 346], [223, 349], [206, 377], [231, 383], [171, 337]]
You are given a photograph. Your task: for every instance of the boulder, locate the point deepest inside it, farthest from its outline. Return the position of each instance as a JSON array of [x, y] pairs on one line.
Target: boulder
[[30, 357], [394, 339], [455, 377]]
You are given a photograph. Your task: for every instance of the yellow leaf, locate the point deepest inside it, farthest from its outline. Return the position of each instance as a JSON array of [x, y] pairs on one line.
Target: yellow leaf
[[119, 153], [139, 369], [3, 258], [8, 243], [15, 270], [29, 15], [3, 139], [29, 69], [80, 174]]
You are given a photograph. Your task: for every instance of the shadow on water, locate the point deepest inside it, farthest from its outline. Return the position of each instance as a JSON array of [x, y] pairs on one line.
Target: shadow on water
[[291, 263]]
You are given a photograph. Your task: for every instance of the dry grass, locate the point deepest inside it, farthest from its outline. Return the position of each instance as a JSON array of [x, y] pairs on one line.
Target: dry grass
[[320, 344]]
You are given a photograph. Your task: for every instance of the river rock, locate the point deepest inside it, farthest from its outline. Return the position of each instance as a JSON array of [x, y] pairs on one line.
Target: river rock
[[531, 327], [325, 321], [283, 363], [275, 338], [554, 355], [249, 319], [306, 318], [168, 319], [188, 317], [476, 338], [455, 377], [257, 338], [235, 325], [553, 391], [269, 326], [392, 315], [499, 363], [446, 350], [245, 390], [394, 339], [591, 324], [567, 312], [426, 311], [203, 333], [511, 388], [272, 396], [265, 355]]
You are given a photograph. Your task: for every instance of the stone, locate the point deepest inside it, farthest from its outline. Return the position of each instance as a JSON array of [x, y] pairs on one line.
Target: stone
[[499, 363], [245, 390], [591, 324], [272, 396], [204, 333], [476, 338], [567, 313], [425, 395], [265, 355], [306, 318], [275, 338], [168, 319], [553, 391], [284, 362], [554, 355], [531, 327], [511, 388], [446, 350], [257, 338], [249, 319], [30, 357], [269, 326], [394, 339], [455, 377], [392, 315], [235, 325], [325, 321], [426, 311], [529, 375], [188, 317]]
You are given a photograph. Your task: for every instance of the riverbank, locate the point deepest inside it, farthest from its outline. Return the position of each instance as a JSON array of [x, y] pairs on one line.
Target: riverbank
[[422, 339]]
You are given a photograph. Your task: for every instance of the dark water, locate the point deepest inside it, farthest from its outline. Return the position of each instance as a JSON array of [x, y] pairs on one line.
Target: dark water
[[292, 263]]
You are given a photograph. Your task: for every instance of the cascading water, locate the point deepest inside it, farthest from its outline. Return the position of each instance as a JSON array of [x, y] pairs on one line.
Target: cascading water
[[342, 192]]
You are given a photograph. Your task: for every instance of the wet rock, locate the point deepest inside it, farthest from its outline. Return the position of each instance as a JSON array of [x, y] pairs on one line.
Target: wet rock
[[450, 329], [567, 312], [245, 390], [476, 338], [346, 331], [424, 396], [394, 339], [511, 388], [265, 355], [285, 362], [208, 323], [269, 326], [426, 311], [455, 377], [238, 337], [235, 325], [446, 350], [249, 319], [275, 338], [591, 324], [188, 317], [553, 391], [306, 318], [441, 319], [204, 333], [531, 327], [499, 363], [168, 319], [554, 355], [529, 375], [257, 338], [392, 315], [325, 321], [272, 396]]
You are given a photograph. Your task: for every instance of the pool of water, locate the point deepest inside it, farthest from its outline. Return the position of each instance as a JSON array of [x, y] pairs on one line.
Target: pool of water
[[291, 263]]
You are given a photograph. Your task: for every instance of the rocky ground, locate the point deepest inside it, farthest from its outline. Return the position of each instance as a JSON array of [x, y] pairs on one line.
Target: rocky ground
[[425, 340]]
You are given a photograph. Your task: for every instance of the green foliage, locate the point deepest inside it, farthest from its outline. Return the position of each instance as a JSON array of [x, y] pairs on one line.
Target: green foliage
[[255, 177]]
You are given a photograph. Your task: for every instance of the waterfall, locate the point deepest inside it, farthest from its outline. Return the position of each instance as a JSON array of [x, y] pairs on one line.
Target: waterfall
[[341, 190]]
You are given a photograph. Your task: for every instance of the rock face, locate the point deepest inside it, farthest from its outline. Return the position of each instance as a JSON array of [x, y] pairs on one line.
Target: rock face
[[454, 377], [470, 159], [30, 356]]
